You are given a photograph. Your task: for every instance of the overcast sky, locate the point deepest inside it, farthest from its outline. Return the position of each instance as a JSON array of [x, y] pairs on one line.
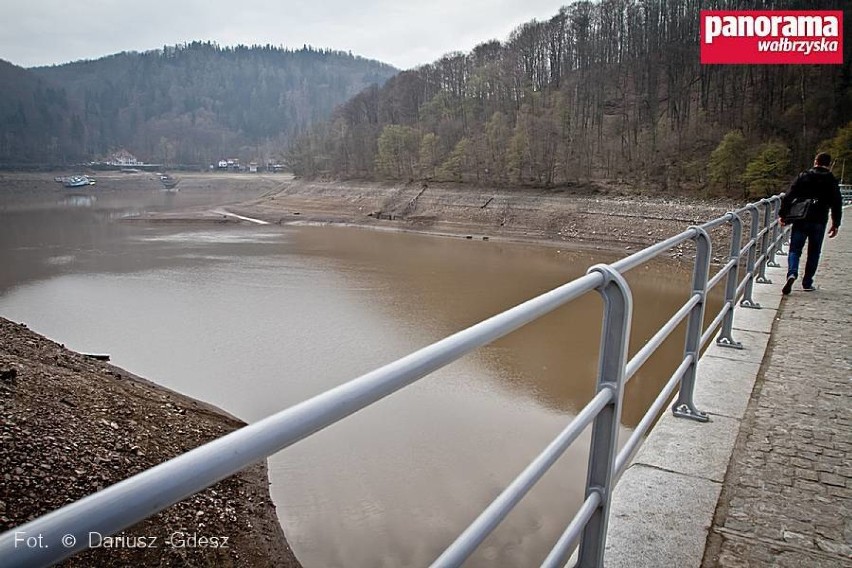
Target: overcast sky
[[404, 33]]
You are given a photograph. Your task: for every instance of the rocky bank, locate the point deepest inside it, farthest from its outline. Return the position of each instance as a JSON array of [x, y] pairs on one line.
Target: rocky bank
[[71, 425]]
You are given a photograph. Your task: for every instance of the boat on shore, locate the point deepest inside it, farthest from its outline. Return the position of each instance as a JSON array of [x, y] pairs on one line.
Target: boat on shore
[[75, 181], [169, 182]]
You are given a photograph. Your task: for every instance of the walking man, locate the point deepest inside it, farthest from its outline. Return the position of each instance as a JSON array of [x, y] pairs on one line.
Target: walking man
[[819, 184]]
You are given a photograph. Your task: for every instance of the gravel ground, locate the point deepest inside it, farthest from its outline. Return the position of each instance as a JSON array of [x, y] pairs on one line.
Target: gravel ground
[[71, 425]]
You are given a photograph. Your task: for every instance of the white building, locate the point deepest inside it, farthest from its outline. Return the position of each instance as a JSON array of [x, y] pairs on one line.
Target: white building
[[123, 158]]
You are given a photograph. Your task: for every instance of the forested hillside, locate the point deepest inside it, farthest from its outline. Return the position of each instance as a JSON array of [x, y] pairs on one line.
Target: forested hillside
[[192, 103], [35, 116], [609, 90]]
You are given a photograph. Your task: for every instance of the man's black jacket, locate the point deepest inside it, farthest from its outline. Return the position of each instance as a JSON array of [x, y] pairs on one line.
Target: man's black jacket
[[820, 184]]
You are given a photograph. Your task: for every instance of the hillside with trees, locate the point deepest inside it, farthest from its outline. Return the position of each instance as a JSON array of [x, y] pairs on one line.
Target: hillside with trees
[[35, 116], [187, 104], [609, 91]]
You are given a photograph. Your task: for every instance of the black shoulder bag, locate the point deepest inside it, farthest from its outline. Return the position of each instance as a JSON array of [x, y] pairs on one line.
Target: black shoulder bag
[[799, 210]]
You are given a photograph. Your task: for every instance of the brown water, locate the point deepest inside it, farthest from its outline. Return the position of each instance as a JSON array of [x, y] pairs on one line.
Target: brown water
[[255, 319]]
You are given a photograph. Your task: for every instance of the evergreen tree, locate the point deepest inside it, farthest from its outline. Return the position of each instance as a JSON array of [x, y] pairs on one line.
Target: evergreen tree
[[458, 162], [768, 171], [728, 160]]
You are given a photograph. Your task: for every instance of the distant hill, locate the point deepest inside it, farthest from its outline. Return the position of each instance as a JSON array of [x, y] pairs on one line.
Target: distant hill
[[193, 103], [36, 119], [608, 90]]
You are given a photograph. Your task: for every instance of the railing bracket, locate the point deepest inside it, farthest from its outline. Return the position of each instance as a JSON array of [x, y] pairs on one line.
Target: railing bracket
[[729, 343], [690, 412]]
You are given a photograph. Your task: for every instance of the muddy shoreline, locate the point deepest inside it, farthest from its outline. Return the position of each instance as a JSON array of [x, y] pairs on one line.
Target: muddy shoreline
[[579, 218]]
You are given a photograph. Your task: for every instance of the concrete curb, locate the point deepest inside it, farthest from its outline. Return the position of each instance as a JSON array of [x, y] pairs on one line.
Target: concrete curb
[[663, 507]]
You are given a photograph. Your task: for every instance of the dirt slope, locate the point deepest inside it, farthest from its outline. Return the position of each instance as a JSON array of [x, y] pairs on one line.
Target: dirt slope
[[70, 426]]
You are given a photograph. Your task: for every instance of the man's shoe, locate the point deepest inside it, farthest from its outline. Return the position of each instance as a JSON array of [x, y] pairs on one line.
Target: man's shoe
[[788, 287], [810, 288]]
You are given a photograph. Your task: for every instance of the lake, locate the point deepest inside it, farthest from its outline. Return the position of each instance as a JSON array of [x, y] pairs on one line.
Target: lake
[[257, 318]]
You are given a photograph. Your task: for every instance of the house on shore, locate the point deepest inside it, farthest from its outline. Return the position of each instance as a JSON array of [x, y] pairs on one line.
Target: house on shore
[[123, 159]]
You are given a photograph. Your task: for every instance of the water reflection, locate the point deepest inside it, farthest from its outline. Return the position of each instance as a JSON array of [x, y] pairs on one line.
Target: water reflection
[[445, 285], [78, 201], [37, 226]]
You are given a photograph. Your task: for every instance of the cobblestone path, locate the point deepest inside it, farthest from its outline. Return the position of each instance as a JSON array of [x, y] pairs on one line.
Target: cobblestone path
[[787, 496]]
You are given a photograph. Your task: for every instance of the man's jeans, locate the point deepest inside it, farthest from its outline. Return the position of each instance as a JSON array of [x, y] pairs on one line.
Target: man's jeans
[[814, 233]]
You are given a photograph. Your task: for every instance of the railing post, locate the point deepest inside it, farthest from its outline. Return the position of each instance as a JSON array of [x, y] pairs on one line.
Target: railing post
[[748, 301], [783, 232], [765, 242], [786, 233], [683, 406], [725, 339], [776, 232], [615, 333], [785, 240]]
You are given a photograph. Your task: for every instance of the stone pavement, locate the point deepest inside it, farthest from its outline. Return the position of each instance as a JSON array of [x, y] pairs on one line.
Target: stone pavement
[[768, 481], [787, 497]]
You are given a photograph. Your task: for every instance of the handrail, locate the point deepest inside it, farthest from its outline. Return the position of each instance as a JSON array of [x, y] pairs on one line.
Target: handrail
[[649, 348], [635, 440], [488, 520], [573, 531], [714, 325], [129, 501], [721, 274], [653, 251]]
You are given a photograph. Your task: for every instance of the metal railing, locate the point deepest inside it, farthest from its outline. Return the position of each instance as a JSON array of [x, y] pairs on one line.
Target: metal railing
[[65, 530]]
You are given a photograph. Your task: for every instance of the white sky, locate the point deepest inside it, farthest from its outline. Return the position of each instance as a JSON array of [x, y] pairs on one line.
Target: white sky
[[403, 33]]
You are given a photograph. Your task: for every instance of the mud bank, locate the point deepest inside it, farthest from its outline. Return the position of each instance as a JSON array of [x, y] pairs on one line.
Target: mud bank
[[567, 217]]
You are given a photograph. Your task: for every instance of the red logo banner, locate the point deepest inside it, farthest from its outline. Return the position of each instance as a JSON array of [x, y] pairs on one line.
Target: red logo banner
[[809, 37]]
